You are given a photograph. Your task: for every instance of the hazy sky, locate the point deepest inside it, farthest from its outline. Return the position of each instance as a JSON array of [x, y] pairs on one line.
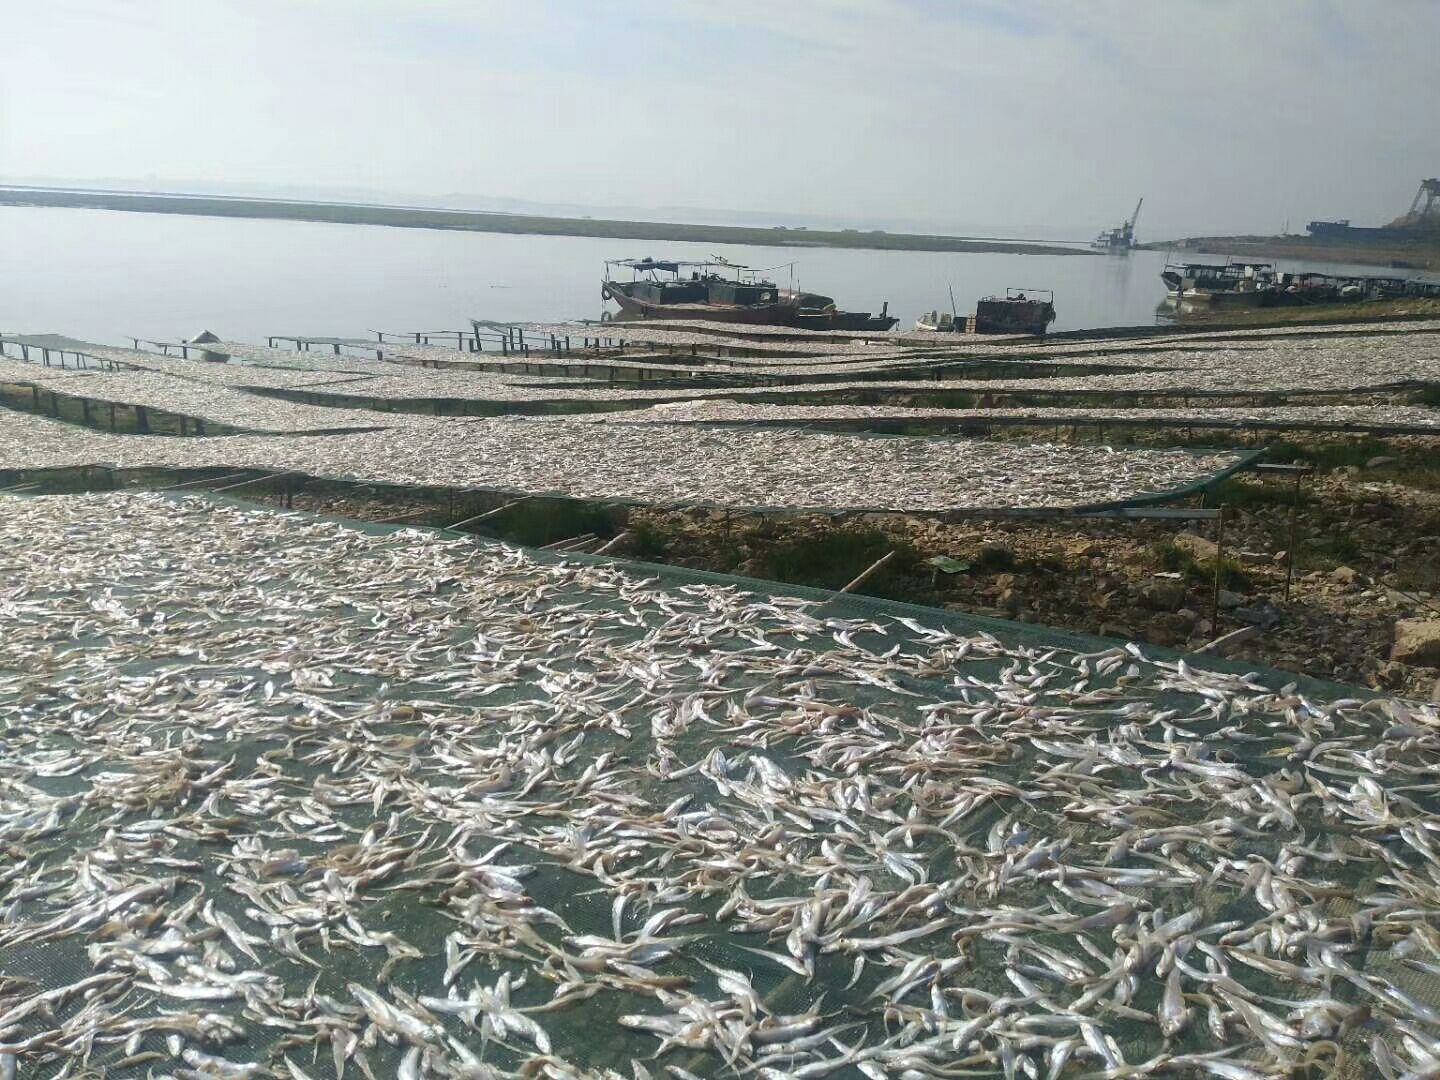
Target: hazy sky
[[1227, 115]]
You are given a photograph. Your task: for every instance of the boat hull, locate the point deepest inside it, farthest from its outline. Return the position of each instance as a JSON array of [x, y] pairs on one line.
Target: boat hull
[[993, 316], [759, 314], [778, 314], [843, 320], [1223, 298]]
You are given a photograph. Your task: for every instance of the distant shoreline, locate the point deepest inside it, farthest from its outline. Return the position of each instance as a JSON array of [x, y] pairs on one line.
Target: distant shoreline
[[482, 221], [1417, 256]]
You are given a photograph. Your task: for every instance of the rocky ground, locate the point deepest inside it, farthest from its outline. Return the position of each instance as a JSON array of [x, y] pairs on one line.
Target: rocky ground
[[1363, 607], [1366, 560]]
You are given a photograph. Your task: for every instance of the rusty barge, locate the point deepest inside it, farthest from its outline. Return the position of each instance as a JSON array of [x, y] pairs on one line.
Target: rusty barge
[[720, 291]]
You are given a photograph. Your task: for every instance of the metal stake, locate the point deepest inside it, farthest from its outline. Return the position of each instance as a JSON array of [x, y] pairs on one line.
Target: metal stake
[[1219, 568], [1290, 547]]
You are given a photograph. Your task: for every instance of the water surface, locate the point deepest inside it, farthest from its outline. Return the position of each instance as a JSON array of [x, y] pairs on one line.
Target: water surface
[[106, 275]]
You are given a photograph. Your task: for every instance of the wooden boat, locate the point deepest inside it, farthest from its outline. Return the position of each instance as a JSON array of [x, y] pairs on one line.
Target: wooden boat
[[661, 289], [1197, 285], [1233, 284], [1016, 312], [940, 322]]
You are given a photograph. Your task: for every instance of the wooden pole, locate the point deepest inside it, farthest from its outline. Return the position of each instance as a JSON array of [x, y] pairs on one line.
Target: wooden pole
[[206, 480], [1290, 546], [490, 513], [562, 545], [1219, 569], [247, 483], [613, 542], [1234, 637], [401, 517], [865, 574]]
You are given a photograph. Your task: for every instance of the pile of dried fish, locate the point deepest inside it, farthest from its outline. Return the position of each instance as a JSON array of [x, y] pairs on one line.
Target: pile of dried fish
[[192, 398], [1376, 418], [281, 798], [1356, 363], [741, 467], [1360, 361]]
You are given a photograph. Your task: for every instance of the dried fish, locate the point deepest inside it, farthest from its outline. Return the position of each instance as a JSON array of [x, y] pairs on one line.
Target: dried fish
[[431, 809]]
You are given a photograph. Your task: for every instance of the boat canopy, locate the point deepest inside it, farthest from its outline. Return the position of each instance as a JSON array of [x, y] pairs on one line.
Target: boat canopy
[[668, 265], [1020, 293]]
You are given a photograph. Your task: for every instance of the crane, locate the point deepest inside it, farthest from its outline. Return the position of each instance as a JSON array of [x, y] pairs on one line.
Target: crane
[[1429, 192], [1121, 238], [1134, 220]]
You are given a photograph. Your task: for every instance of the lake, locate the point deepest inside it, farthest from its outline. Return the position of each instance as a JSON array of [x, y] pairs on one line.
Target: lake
[[107, 275]]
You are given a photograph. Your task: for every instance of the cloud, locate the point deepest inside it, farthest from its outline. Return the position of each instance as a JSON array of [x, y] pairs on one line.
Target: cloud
[[866, 110]]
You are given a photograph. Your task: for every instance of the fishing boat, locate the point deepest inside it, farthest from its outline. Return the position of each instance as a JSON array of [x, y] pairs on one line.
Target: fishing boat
[[1203, 285], [721, 291], [1017, 312], [940, 322], [1230, 283]]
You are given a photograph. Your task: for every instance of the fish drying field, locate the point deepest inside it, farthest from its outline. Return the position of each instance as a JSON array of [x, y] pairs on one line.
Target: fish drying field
[[389, 416], [1409, 419], [285, 797], [721, 467], [298, 796]]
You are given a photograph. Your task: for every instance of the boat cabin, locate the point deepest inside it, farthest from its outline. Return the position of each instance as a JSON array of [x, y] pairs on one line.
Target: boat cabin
[[655, 281]]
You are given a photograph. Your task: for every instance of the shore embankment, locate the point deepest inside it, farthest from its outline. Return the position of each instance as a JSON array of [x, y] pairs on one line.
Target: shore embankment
[[418, 217], [1423, 254]]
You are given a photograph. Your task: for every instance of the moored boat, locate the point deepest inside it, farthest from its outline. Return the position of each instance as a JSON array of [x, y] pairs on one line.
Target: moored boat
[[940, 322], [1236, 284], [1017, 312], [1197, 285], [664, 289]]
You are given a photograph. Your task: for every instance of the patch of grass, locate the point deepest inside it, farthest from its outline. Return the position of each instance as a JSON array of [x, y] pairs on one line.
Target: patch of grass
[[1246, 494], [539, 522], [762, 531], [995, 557], [1171, 556], [1336, 549], [1418, 575], [1425, 475], [648, 542], [1330, 455], [830, 558], [922, 397]]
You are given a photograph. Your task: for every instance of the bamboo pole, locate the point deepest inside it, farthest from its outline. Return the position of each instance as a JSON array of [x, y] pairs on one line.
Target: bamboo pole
[[613, 542], [490, 513], [206, 480], [562, 545], [256, 480], [1219, 569], [401, 517], [865, 574], [1234, 637]]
